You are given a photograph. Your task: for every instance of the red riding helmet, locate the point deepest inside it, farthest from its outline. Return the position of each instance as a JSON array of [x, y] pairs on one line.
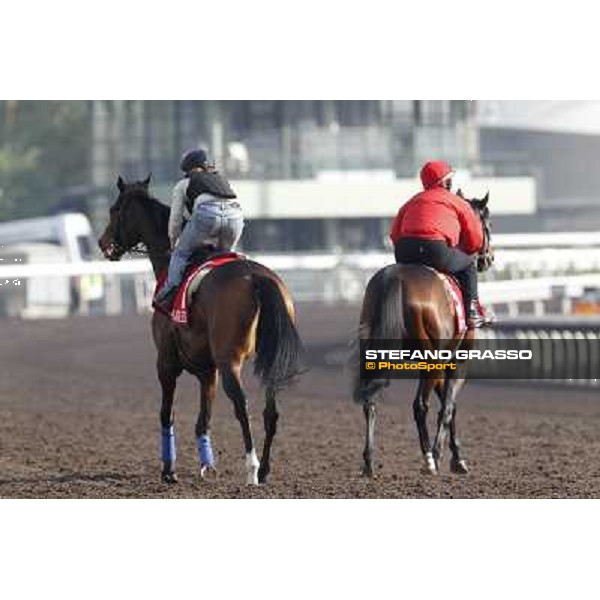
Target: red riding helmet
[[434, 172]]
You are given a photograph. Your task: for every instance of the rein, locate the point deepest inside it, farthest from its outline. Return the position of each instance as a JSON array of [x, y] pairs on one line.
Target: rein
[[485, 259], [142, 249]]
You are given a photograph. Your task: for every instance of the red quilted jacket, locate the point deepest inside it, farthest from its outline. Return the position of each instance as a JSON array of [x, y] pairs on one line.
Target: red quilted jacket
[[437, 214]]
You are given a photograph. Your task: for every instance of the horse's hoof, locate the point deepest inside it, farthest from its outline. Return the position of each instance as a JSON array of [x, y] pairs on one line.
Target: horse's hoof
[[367, 471], [169, 478], [208, 472], [263, 476], [430, 466], [459, 467]]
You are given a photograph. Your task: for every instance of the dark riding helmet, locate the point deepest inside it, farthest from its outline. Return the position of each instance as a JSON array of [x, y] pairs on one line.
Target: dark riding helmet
[[194, 159]]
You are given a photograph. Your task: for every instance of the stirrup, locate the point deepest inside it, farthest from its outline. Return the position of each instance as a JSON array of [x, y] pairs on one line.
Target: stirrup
[[478, 316], [475, 322], [487, 314]]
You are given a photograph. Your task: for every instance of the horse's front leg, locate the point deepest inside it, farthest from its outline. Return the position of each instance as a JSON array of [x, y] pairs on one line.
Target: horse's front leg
[[230, 375], [208, 391], [168, 378]]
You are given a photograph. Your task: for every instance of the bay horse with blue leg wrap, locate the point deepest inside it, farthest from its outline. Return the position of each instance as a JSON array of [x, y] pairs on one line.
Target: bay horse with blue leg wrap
[[239, 309], [410, 302]]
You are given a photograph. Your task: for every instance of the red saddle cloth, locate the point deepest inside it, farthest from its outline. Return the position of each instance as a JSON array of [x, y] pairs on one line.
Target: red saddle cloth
[[179, 312], [455, 293]]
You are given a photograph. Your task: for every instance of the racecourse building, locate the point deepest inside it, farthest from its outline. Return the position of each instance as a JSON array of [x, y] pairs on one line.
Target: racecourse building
[[311, 175], [556, 141]]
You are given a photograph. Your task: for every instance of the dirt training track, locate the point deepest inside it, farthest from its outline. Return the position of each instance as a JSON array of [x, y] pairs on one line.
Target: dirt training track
[[79, 418]]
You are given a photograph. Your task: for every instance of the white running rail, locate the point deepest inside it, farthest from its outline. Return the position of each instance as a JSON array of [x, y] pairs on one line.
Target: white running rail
[[324, 278]]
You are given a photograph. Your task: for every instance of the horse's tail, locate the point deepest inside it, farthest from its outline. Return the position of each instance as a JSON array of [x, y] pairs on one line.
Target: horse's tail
[[382, 318], [388, 320], [279, 349]]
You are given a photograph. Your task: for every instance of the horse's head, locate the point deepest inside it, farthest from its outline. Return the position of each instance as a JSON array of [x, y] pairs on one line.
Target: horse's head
[[124, 229], [485, 258]]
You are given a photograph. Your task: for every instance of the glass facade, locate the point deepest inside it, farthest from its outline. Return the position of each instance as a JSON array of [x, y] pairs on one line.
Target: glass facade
[[285, 140], [272, 139]]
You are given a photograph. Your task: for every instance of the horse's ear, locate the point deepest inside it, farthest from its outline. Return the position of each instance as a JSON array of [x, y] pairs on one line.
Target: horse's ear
[[120, 184], [459, 193], [146, 181], [486, 199]]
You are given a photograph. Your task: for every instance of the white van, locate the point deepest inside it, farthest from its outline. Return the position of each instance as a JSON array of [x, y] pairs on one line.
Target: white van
[[35, 297], [61, 238], [72, 231]]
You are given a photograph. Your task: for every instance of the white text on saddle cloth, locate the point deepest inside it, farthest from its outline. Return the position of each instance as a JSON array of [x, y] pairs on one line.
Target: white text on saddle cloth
[[179, 314], [456, 296]]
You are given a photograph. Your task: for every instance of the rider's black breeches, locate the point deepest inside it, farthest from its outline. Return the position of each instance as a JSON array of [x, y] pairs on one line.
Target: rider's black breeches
[[440, 256]]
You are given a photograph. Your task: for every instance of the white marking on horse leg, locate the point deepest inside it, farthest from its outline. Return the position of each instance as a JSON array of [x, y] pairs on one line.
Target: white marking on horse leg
[[430, 466], [252, 465]]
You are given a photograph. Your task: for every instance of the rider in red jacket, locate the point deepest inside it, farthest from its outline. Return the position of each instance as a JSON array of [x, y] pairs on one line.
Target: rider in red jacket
[[441, 230]]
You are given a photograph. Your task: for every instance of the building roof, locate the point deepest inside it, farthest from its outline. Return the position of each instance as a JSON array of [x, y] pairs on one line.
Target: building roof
[[565, 116]]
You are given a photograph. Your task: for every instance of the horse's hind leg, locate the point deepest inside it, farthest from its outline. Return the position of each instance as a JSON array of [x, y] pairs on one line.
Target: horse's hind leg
[[168, 380], [367, 392], [457, 464], [452, 386], [270, 417], [420, 408], [208, 391], [230, 375]]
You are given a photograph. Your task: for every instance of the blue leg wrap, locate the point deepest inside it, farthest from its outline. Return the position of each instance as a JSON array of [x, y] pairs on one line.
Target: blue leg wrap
[[205, 452], [168, 444]]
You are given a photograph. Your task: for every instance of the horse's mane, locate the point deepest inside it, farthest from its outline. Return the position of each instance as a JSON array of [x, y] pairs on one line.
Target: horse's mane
[[159, 213]]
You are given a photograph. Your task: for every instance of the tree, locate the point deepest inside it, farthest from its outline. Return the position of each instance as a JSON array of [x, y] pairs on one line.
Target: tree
[[44, 155]]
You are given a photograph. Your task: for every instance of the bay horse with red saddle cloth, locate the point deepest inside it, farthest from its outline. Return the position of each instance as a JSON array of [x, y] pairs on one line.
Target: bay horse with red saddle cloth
[[239, 309], [412, 302]]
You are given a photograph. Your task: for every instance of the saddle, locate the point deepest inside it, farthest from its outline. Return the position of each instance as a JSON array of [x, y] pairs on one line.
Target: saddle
[[202, 263]]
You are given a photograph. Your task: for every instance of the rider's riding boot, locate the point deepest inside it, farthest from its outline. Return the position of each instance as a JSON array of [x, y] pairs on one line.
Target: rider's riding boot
[[164, 302], [478, 316], [486, 313], [474, 319]]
